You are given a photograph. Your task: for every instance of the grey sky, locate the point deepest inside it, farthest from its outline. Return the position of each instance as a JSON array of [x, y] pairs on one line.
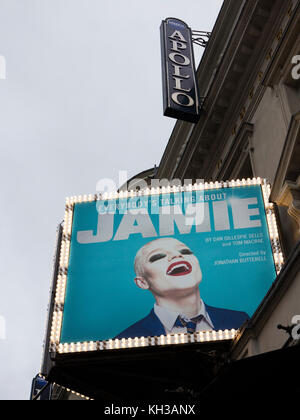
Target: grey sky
[[82, 100]]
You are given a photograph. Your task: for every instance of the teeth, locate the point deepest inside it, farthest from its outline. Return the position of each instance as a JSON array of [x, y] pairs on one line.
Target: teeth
[[178, 266]]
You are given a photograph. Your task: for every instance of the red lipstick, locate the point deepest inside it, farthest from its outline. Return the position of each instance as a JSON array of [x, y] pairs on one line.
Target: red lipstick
[[179, 268]]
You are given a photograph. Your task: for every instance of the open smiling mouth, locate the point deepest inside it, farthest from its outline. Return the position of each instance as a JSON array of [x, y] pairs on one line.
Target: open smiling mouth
[[180, 268]]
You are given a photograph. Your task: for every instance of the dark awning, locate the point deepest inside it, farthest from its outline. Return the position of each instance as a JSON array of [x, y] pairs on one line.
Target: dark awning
[[274, 374]]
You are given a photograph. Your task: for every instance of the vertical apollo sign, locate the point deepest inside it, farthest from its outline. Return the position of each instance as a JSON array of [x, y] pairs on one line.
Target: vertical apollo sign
[[180, 91]]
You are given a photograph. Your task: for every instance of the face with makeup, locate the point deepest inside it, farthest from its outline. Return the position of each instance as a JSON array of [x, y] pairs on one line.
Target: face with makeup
[[167, 268]]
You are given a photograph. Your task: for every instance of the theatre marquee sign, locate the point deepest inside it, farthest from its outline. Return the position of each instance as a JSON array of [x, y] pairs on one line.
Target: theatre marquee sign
[[180, 92], [218, 243]]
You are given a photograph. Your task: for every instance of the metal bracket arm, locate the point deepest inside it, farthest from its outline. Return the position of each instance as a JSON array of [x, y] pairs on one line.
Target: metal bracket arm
[[201, 38]]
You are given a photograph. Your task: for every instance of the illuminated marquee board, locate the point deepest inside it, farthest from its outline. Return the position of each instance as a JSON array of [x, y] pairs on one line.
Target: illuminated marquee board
[[163, 266]]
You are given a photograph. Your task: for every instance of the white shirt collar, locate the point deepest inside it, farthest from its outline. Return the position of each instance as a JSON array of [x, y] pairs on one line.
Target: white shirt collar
[[168, 318]]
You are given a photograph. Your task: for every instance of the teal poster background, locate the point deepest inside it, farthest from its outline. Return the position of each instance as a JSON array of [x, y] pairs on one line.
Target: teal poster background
[[101, 297]]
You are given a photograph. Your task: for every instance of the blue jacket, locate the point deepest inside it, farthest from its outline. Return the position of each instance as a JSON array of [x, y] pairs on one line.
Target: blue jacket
[[151, 326]]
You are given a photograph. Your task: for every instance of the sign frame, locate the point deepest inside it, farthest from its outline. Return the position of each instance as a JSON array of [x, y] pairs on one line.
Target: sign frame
[[184, 76], [55, 345]]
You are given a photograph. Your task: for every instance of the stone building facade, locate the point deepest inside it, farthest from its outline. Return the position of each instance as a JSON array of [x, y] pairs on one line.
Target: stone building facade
[[250, 126]]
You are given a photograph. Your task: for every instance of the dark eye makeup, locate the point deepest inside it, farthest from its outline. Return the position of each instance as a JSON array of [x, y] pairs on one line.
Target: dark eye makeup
[[156, 257], [186, 251], [160, 256]]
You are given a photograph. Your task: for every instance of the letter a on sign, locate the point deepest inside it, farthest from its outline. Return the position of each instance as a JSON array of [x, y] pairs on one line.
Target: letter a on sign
[[178, 35], [180, 90]]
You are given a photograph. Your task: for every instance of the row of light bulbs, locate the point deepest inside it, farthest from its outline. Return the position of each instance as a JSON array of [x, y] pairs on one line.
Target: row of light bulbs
[[163, 340], [70, 201], [176, 339]]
